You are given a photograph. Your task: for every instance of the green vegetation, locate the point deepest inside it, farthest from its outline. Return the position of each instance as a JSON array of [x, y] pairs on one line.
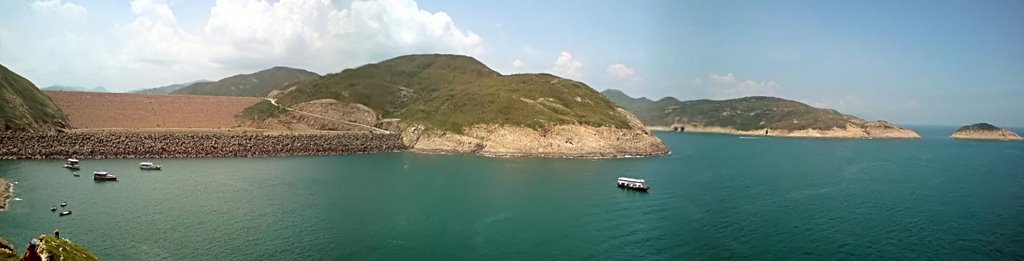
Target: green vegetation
[[7, 251], [748, 113], [24, 107], [979, 127], [257, 84], [451, 92], [261, 111], [60, 249]]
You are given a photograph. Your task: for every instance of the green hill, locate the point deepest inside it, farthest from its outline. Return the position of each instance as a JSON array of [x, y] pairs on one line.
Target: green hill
[[450, 92], [257, 84], [748, 113], [23, 107]]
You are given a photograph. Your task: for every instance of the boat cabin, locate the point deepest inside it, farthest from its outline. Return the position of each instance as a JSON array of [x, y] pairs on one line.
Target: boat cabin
[[631, 183]]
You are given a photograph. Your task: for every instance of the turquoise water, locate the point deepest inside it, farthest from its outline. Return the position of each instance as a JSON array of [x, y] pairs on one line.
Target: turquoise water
[[714, 197]]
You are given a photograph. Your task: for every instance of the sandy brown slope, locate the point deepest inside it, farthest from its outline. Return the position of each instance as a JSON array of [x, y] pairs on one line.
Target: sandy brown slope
[[122, 110]]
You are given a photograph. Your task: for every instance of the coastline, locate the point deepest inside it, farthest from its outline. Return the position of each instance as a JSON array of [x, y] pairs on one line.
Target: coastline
[[999, 135], [123, 144], [851, 132]]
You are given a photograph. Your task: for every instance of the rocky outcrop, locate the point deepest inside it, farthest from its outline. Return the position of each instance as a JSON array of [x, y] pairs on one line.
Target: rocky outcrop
[[865, 130], [985, 131], [190, 145], [6, 192], [566, 140]]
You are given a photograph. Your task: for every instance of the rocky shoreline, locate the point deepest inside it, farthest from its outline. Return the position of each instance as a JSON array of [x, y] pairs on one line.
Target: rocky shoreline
[[6, 193], [985, 131], [559, 141], [99, 145], [871, 130]]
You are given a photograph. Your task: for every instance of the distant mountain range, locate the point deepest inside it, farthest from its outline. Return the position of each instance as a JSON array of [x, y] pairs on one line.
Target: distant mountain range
[[257, 84], [168, 88], [75, 88], [23, 107]]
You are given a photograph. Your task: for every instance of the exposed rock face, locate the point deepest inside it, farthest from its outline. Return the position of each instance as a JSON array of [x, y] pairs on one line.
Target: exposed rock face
[[867, 130], [324, 114], [985, 131], [567, 140], [6, 192]]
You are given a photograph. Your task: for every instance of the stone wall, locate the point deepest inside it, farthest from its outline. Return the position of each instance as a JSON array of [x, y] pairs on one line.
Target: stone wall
[[98, 145]]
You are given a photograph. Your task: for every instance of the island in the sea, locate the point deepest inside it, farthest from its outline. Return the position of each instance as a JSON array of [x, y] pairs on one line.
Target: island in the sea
[[755, 116], [985, 131]]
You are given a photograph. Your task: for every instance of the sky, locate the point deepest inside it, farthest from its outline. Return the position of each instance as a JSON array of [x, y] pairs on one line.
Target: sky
[[909, 62]]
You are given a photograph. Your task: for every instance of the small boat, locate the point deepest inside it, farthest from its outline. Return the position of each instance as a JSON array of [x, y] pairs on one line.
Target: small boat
[[146, 165], [76, 174], [53, 209], [634, 184], [103, 176], [65, 213], [72, 164], [64, 204]]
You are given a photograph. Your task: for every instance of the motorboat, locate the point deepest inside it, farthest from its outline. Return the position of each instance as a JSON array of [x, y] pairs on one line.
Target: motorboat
[[146, 165], [53, 209], [632, 183], [76, 174], [64, 204], [65, 213], [103, 176], [72, 164]]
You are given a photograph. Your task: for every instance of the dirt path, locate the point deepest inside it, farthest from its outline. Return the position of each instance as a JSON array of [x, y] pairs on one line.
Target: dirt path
[[371, 128]]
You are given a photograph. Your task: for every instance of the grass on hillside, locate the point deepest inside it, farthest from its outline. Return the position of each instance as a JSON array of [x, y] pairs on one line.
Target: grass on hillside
[[451, 92], [261, 111], [67, 250], [39, 106]]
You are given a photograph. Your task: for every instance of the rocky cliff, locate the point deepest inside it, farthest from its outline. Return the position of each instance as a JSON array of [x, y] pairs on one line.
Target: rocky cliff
[[565, 140], [985, 131]]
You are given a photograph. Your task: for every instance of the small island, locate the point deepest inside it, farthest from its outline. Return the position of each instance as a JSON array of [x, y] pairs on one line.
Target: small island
[[985, 131]]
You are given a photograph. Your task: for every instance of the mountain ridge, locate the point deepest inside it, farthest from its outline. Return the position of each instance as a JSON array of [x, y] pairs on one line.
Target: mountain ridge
[[257, 84]]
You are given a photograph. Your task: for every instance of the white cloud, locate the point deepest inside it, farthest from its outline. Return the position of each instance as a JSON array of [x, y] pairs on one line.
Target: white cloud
[[59, 8], [567, 66], [517, 64], [620, 70], [729, 86], [239, 36]]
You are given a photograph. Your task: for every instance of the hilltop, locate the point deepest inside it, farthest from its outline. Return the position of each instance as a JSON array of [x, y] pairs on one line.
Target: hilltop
[[985, 131], [257, 84], [23, 107], [75, 88], [167, 89], [455, 103], [756, 115], [49, 248]]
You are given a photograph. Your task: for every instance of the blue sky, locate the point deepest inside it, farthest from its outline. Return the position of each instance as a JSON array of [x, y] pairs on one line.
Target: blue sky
[[911, 62]]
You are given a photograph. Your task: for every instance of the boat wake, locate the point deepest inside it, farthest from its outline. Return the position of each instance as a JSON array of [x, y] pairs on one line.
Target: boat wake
[[750, 138]]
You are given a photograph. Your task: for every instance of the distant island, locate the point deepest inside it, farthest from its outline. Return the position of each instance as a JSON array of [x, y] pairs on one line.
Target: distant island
[[167, 88], [985, 131], [75, 88], [755, 116]]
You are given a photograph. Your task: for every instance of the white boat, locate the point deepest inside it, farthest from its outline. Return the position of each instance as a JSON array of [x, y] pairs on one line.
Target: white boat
[[72, 164], [148, 165], [634, 184]]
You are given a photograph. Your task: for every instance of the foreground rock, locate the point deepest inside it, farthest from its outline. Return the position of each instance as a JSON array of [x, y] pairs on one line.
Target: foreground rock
[[985, 131], [47, 248], [190, 145], [557, 141]]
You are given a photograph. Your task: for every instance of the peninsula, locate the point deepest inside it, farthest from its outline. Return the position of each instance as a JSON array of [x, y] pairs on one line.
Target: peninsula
[[985, 131], [755, 116]]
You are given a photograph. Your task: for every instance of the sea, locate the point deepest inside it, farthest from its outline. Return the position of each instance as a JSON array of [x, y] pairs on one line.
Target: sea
[[715, 197]]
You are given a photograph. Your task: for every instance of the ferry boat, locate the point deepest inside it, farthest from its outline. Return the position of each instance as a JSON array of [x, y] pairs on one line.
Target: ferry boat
[[72, 164], [103, 176], [148, 165], [634, 184]]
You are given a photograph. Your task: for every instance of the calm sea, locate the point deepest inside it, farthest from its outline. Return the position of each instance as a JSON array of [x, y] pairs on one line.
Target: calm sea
[[714, 197]]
